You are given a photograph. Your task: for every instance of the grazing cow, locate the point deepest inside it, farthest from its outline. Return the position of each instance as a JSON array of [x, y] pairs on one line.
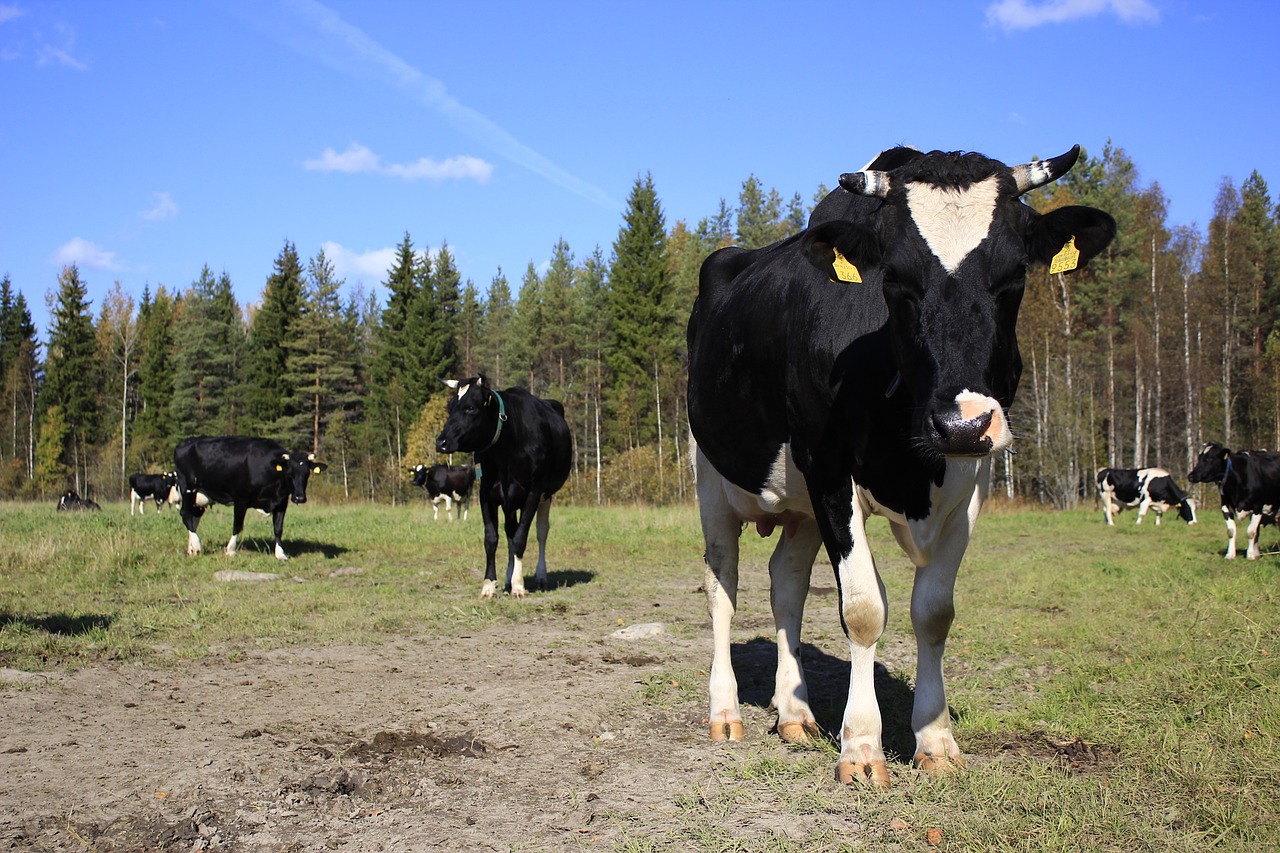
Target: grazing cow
[[72, 502], [865, 366], [1248, 483], [523, 450], [248, 473], [161, 488], [1145, 488], [448, 483]]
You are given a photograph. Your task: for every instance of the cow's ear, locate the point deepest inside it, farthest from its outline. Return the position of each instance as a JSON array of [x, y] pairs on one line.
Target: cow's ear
[[842, 250], [317, 467], [281, 460], [1069, 237]]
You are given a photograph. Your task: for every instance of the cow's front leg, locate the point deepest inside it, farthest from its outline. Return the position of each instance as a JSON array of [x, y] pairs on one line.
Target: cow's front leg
[[517, 538], [1231, 533], [489, 512], [863, 610], [720, 531], [191, 511], [1252, 551], [277, 523], [237, 525], [790, 568]]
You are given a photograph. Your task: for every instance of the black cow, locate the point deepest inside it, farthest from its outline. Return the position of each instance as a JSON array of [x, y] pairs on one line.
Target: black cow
[[523, 450], [865, 366], [248, 473], [1248, 483], [72, 502], [161, 488], [1145, 488], [448, 483]]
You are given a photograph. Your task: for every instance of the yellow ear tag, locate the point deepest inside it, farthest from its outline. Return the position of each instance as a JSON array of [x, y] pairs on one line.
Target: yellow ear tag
[[315, 470], [279, 467], [1067, 259], [845, 271]]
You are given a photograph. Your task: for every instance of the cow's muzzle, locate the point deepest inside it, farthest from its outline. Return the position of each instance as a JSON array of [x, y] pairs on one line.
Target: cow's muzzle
[[973, 425], [298, 499]]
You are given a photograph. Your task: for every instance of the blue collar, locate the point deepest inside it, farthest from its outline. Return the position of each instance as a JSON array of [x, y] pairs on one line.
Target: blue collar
[[502, 419]]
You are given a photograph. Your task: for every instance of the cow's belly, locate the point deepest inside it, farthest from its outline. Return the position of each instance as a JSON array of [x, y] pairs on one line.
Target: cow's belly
[[783, 498]]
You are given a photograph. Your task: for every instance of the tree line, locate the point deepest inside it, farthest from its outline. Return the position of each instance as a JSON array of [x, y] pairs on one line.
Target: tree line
[[1172, 337]]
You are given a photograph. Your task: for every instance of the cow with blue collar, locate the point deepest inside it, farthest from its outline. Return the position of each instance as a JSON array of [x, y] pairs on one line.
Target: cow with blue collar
[[865, 366], [1248, 484], [523, 451]]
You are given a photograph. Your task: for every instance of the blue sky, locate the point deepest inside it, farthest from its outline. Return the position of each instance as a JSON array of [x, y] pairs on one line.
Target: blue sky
[[143, 140]]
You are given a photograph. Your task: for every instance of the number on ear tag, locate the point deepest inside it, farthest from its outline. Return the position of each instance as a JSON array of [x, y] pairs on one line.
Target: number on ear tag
[[845, 270], [1067, 259]]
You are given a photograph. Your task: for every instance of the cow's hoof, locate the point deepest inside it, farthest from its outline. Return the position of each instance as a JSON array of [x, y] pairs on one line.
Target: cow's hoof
[[731, 730], [486, 591], [798, 731], [519, 592], [873, 773], [937, 765]]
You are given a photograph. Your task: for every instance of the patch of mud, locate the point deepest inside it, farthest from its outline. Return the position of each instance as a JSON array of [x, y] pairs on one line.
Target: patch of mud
[[1074, 755]]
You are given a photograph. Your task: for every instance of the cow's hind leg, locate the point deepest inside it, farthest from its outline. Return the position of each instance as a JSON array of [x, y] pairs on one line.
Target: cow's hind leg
[[517, 528], [191, 511], [790, 568], [543, 523], [720, 531], [1252, 551]]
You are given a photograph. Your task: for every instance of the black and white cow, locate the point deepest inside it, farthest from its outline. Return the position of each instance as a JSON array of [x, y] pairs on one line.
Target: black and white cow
[[523, 451], [450, 484], [161, 488], [865, 366], [1248, 484], [248, 473], [72, 502], [1145, 488]]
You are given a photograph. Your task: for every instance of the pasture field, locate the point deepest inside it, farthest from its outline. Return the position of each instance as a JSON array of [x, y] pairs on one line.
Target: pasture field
[[1113, 689]]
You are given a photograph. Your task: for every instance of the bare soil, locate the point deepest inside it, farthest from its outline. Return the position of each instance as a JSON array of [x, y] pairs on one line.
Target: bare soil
[[528, 736]]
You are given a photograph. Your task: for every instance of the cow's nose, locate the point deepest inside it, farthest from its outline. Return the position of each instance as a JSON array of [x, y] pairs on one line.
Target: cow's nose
[[955, 435], [442, 445], [299, 499]]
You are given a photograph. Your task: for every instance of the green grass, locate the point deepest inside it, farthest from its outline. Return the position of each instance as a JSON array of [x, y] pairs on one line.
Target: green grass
[[1141, 642]]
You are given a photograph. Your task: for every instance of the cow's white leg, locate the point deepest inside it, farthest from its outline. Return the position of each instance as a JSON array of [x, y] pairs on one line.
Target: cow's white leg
[[280, 554], [790, 568], [231, 545], [515, 574], [435, 509], [864, 609], [1142, 511], [193, 544], [720, 531], [1252, 551], [932, 612], [1231, 533], [448, 507], [134, 500], [1107, 508]]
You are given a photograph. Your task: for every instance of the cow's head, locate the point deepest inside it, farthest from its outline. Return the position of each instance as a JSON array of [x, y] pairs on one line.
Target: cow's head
[[419, 473], [1211, 466], [296, 470], [1187, 510], [949, 244], [476, 417]]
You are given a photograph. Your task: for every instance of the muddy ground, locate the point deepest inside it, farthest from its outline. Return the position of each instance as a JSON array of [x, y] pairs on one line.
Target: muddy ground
[[544, 735]]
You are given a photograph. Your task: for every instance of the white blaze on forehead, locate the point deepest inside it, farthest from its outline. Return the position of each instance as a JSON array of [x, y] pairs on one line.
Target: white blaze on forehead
[[953, 221]]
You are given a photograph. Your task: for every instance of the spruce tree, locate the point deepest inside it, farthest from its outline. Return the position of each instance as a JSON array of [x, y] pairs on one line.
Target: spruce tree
[[640, 282], [208, 342], [267, 354], [499, 317], [470, 330], [72, 374], [153, 430]]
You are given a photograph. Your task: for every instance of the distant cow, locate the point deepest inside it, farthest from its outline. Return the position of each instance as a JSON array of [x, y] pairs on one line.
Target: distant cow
[[1248, 483], [1145, 488], [72, 502], [161, 488], [448, 483], [865, 366], [248, 473], [523, 450]]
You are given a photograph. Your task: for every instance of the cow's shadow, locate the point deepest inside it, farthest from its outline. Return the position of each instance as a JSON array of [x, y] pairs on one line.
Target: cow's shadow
[[59, 623], [564, 578], [755, 663], [293, 547]]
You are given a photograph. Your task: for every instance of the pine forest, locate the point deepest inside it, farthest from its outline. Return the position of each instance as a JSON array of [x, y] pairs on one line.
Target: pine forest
[[1169, 339]]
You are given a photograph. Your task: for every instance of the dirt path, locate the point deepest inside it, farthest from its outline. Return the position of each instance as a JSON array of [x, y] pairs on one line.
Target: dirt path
[[525, 736]]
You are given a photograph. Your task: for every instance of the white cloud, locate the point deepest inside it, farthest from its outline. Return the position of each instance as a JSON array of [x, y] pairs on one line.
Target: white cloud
[[59, 53], [369, 266], [1012, 15], [87, 254], [358, 159], [164, 208], [8, 13]]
